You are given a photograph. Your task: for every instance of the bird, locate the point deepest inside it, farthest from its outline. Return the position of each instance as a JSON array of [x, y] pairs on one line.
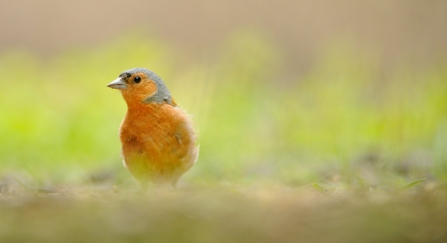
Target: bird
[[157, 136]]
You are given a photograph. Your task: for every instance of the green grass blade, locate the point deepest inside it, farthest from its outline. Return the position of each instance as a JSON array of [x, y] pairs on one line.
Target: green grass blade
[[318, 188], [412, 184]]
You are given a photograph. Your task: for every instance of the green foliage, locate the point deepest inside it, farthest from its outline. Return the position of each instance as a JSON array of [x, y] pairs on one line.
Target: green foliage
[[343, 122]]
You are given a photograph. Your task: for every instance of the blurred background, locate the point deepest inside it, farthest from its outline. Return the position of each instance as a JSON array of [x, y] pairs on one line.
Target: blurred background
[[341, 93]]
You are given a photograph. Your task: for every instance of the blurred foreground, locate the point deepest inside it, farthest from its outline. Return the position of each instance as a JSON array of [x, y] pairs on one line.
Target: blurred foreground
[[226, 215]]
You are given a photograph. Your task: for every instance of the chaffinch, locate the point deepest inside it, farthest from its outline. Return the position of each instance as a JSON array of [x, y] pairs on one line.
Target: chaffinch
[[157, 137]]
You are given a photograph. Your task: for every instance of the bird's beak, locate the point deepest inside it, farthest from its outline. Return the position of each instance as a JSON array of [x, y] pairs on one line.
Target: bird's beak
[[117, 84]]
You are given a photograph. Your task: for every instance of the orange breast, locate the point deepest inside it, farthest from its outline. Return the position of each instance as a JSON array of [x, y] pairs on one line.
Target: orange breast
[[158, 142]]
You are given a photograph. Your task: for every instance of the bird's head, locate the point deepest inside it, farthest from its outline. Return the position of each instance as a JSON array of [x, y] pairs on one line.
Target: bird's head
[[142, 85]]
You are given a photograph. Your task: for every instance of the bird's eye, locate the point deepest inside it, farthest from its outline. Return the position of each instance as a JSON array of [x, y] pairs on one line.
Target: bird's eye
[[137, 79]]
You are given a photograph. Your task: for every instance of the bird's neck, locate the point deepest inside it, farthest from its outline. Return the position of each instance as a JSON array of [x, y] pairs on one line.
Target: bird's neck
[[140, 108]]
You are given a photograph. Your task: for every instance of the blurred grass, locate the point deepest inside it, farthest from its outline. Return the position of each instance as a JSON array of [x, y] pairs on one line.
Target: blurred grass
[[345, 123], [226, 215]]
